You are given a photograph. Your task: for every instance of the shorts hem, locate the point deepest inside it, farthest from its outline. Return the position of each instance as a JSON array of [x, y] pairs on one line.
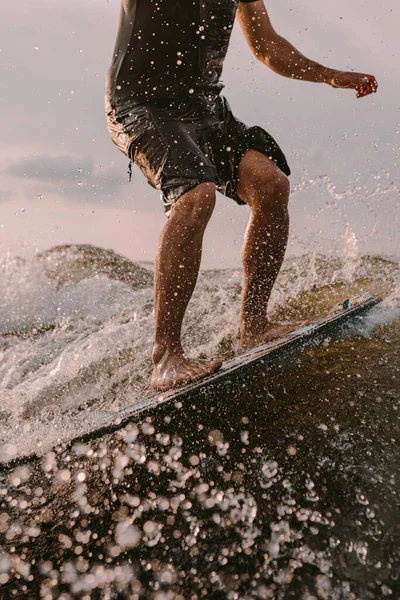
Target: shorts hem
[[262, 142], [180, 190]]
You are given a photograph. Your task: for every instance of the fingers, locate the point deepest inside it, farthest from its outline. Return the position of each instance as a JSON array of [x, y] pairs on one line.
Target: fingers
[[361, 83], [368, 86]]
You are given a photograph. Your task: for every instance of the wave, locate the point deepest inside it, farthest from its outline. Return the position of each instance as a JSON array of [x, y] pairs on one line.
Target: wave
[[77, 322]]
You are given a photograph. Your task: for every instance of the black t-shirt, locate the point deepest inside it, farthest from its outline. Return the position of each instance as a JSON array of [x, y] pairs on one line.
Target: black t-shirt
[[168, 49]]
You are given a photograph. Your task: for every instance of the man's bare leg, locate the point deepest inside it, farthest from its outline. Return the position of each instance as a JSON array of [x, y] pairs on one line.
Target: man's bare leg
[[266, 190], [176, 271]]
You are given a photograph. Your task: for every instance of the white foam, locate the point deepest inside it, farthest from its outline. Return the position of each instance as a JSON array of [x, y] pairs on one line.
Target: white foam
[[96, 351]]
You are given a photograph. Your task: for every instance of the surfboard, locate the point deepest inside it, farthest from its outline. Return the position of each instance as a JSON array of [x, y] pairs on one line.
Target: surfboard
[[230, 379], [237, 370]]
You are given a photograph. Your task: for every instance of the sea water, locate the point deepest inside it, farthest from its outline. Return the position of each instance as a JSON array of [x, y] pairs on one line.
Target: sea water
[[286, 487]]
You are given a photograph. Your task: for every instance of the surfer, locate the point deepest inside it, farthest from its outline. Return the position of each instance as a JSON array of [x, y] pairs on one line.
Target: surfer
[[166, 113]]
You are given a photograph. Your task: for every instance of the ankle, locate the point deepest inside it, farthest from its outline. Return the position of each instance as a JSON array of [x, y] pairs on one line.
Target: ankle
[[251, 335], [163, 349], [249, 329]]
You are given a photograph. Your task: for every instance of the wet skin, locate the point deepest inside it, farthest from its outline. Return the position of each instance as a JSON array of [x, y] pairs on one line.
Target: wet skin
[[271, 332], [173, 370], [364, 85], [266, 190]]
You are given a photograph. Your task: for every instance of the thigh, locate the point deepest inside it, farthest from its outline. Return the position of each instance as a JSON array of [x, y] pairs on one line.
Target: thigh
[[166, 149], [258, 173], [236, 140]]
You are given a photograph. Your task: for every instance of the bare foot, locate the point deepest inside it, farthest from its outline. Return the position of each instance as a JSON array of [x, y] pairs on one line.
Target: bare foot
[[173, 370], [272, 332]]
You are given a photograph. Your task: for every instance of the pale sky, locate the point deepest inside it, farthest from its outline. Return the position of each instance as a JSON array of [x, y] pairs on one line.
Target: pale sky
[[62, 179]]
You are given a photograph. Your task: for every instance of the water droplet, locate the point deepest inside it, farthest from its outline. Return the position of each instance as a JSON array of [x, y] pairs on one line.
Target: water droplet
[[127, 535], [269, 469]]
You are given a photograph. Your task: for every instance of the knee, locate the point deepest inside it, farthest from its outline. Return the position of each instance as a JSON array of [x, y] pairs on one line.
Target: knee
[[196, 206], [269, 190]]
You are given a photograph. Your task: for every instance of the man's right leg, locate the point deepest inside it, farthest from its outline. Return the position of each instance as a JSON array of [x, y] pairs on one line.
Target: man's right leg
[[176, 271]]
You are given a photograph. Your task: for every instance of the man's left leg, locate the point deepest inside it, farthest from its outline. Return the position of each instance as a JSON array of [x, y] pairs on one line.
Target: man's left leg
[[263, 186]]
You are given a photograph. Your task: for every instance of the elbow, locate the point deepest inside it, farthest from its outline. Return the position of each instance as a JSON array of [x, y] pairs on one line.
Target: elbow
[[260, 57], [261, 54], [270, 54], [268, 60]]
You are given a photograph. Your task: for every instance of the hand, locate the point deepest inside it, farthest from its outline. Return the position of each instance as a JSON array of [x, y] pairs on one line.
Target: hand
[[362, 83]]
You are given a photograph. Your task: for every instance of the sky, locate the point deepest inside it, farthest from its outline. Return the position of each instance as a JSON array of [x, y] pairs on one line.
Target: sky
[[63, 181]]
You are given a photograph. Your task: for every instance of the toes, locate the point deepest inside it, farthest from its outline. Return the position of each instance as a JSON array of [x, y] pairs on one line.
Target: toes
[[183, 371], [216, 365], [207, 367], [213, 365]]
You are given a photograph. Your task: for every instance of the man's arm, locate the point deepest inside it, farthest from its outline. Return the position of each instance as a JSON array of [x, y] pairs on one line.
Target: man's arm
[[283, 58]]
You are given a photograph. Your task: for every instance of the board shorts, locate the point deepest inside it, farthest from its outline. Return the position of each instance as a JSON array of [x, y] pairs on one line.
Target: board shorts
[[179, 144]]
